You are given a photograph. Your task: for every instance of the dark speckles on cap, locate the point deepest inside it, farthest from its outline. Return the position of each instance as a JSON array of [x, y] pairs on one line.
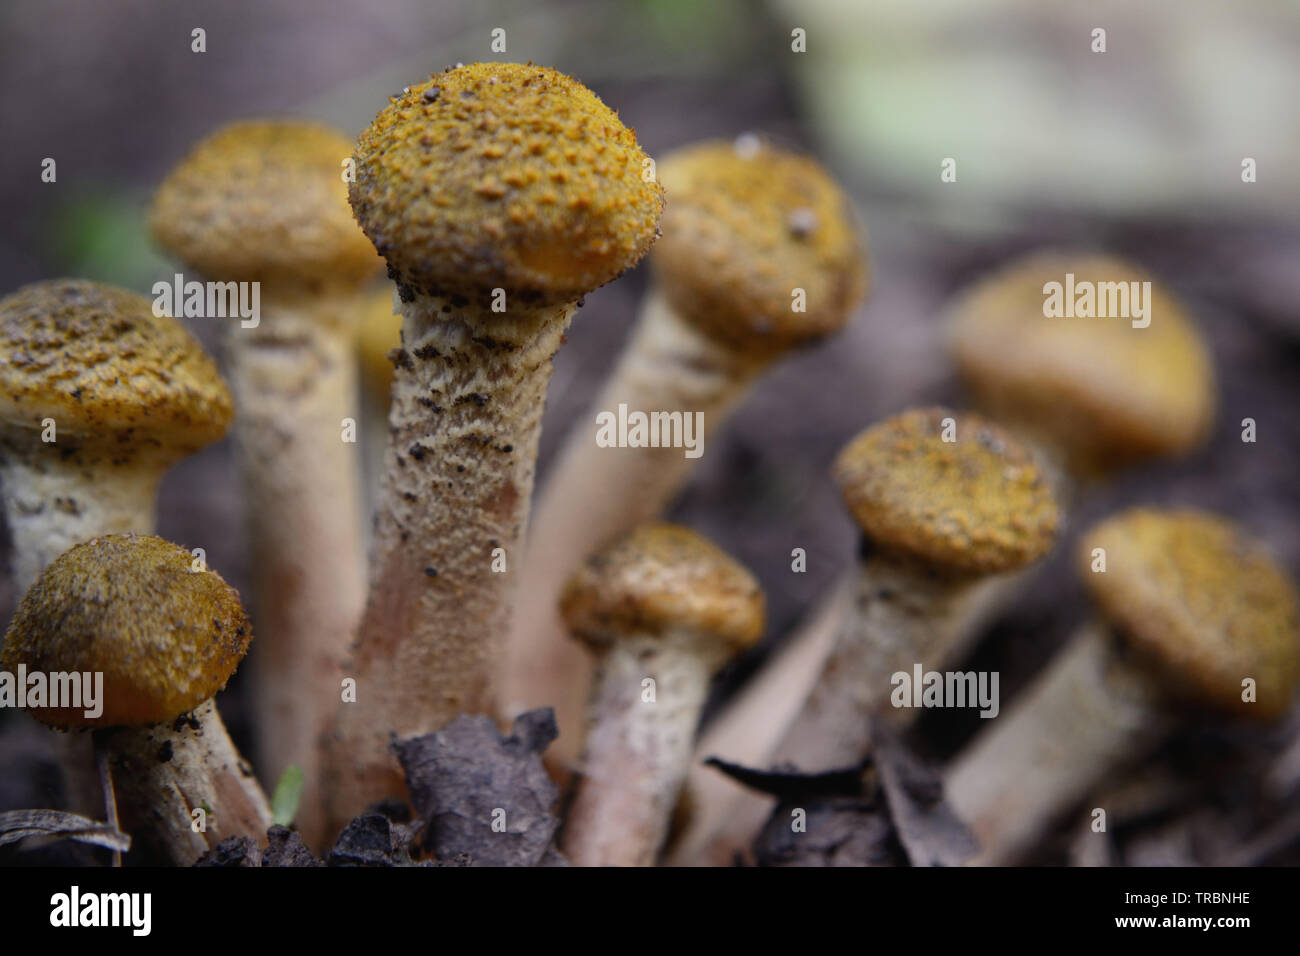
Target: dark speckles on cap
[[662, 577], [461, 191], [165, 637], [99, 362], [976, 504]]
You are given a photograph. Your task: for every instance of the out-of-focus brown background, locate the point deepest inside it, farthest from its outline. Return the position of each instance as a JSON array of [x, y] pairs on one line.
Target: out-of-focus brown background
[[1137, 150]]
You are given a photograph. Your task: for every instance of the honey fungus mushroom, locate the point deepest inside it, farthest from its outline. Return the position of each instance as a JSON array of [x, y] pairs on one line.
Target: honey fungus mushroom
[[1192, 607], [166, 638], [660, 606], [1097, 393], [952, 510], [499, 194], [748, 223], [534, 186], [98, 398]]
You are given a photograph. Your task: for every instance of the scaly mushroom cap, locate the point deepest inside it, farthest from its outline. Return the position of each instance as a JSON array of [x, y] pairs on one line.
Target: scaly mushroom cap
[[745, 225], [99, 362], [504, 175], [977, 504], [1105, 392], [663, 578], [379, 333], [165, 637], [264, 201], [1203, 601]]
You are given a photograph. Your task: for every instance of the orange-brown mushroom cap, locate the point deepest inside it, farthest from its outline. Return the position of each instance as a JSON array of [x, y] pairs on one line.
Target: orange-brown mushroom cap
[[264, 201], [165, 637], [747, 224], [1202, 600], [504, 175], [662, 578], [99, 362], [1105, 392], [977, 504]]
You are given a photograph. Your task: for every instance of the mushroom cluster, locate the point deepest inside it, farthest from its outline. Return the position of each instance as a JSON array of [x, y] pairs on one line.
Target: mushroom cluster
[[264, 202], [747, 224], [499, 195]]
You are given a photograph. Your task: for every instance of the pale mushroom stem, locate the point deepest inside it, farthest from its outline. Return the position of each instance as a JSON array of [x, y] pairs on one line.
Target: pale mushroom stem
[[903, 615], [294, 379], [747, 732], [638, 749], [464, 424], [166, 772], [1088, 712], [51, 505], [897, 615], [595, 493]]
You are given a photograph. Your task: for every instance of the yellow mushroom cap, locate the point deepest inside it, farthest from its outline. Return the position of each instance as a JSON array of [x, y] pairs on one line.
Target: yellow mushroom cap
[[662, 578], [1204, 601], [165, 637], [1104, 391], [747, 224], [504, 175], [379, 333], [99, 362], [264, 201], [977, 504]]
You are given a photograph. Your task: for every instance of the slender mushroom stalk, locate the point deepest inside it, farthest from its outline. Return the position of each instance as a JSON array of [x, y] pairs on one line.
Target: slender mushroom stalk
[[1092, 394], [948, 529], [1195, 607], [128, 394], [746, 227], [265, 203], [500, 194], [166, 638], [747, 731], [1088, 395], [663, 609]]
